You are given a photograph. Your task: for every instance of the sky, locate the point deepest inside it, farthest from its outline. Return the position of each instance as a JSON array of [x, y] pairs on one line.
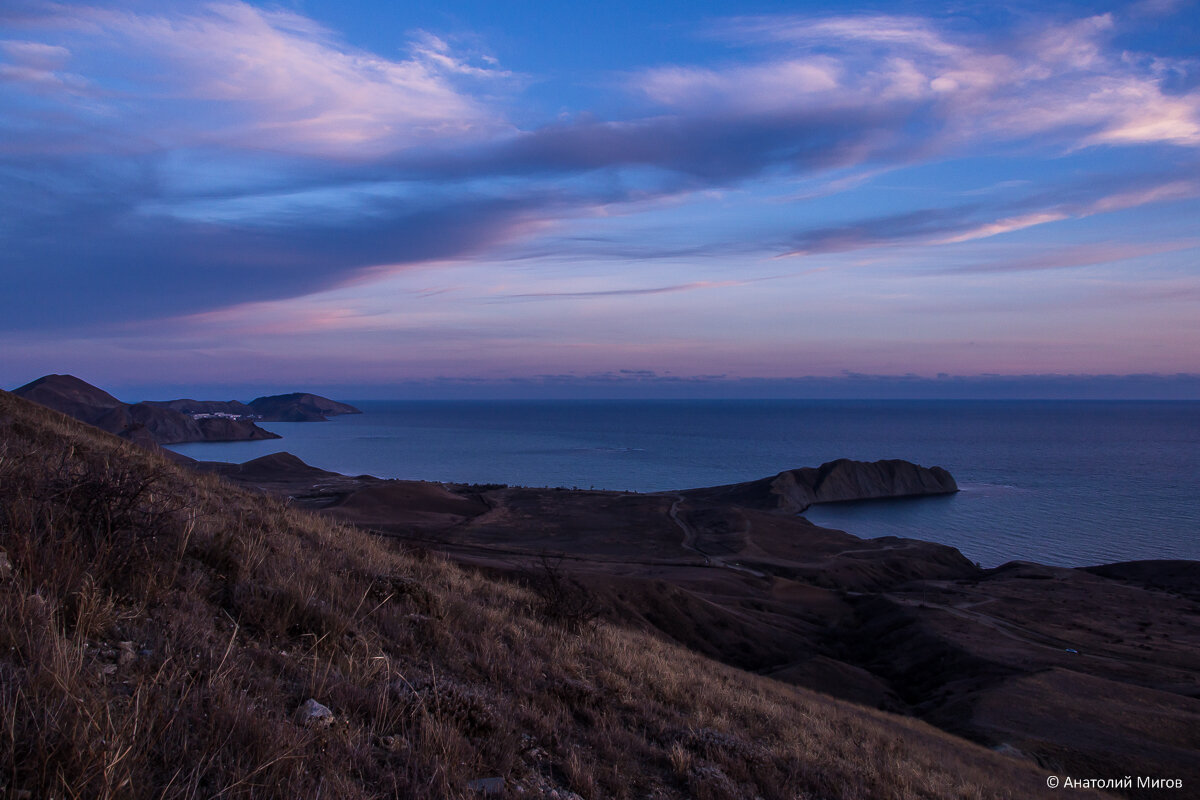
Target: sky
[[602, 199]]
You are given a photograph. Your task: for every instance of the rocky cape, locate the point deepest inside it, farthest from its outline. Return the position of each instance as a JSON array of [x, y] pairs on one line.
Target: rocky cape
[[299, 407], [176, 421], [840, 481]]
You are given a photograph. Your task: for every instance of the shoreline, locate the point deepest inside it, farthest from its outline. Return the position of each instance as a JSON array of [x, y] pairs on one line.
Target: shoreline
[[903, 625]]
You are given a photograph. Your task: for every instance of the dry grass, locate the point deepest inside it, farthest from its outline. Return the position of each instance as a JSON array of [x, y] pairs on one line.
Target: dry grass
[[160, 629]]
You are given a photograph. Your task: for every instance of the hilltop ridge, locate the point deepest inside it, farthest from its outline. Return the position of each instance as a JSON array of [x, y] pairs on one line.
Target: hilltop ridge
[[149, 424], [162, 422]]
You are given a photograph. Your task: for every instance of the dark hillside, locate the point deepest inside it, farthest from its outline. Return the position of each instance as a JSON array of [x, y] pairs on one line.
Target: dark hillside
[[163, 632], [145, 423]]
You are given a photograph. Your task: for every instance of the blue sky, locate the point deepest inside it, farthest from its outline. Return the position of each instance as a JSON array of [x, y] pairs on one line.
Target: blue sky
[[668, 198]]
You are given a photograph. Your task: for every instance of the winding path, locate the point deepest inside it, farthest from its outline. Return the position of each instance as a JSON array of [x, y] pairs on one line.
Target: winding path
[[689, 543]]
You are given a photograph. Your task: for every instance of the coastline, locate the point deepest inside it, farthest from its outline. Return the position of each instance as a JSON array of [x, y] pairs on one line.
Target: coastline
[[1072, 505], [1004, 656]]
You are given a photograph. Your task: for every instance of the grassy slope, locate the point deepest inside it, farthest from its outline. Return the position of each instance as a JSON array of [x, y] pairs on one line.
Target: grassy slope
[[237, 609]]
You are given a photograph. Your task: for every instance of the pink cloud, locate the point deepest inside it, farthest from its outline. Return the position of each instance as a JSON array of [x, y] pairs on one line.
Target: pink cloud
[[1085, 255], [772, 87], [933, 227], [40, 68], [1006, 225], [1064, 78], [35, 55], [281, 81], [1164, 192]]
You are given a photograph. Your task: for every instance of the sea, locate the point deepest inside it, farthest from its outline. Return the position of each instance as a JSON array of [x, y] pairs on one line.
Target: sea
[[1068, 483]]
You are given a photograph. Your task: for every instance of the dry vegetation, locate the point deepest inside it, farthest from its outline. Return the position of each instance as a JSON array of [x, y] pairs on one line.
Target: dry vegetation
[[160, 630]]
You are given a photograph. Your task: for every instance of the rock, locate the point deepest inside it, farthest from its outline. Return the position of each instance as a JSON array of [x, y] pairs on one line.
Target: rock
[[313, 715], [1006, 749], [125, 653], [487, 786], [393, 743], [711, 780]]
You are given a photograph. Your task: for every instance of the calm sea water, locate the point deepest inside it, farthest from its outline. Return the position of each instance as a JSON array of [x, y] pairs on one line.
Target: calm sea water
[[1060, 482]]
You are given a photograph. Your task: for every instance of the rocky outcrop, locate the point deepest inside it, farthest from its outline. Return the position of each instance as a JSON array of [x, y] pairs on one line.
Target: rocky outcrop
[[299, 407], [839, 481], [843, 480], [143, 423]]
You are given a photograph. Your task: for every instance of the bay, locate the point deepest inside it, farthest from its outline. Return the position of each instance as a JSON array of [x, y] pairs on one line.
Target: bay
[[1060, 482]]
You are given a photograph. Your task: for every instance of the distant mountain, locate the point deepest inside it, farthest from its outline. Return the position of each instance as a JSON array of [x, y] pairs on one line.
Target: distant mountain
[[144, 423], [299, 407]]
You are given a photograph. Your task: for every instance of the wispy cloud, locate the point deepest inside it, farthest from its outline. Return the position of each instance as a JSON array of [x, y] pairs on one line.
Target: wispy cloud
[[959, 224], [1072, 257], [680, 287], [1006, 225], [1061, 78], [270, 79]]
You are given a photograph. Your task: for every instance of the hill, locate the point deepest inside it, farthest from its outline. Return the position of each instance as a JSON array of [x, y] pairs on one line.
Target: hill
[[145, 423], [165, 631], [299, 407], [71, 396]]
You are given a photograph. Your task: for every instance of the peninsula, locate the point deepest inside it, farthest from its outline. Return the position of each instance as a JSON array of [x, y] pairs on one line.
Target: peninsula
[[1027, 659], [162, 422]]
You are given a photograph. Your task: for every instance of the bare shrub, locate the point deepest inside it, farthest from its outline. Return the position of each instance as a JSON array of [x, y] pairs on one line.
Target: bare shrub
[[74, 520], [560, 599]]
